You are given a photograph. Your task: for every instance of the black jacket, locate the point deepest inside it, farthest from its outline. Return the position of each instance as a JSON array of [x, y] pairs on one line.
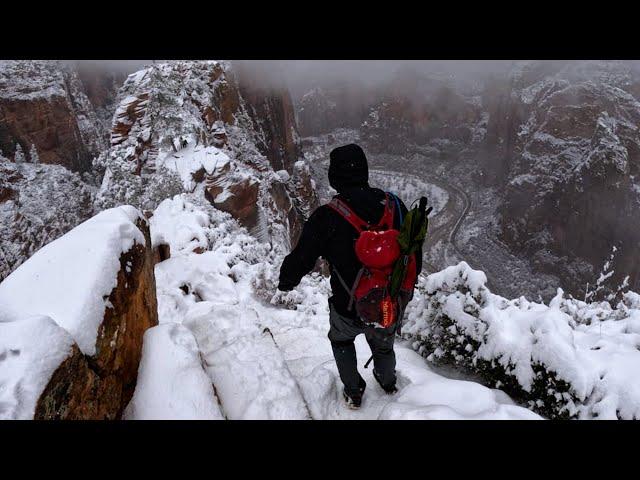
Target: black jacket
[[328, 235]]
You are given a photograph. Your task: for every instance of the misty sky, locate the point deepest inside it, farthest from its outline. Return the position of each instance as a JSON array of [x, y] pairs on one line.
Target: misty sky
[[297, 74], [301, 75]]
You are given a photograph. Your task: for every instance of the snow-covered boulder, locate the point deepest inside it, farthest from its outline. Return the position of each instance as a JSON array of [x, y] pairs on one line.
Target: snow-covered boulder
[[568, 359], [91, 293]]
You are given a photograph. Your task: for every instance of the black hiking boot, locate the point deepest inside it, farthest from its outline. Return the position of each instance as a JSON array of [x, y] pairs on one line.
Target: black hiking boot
[[388, 389], [354, 400]]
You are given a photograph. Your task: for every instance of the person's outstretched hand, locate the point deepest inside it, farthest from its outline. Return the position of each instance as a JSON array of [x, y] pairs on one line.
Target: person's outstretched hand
[[288, 298]]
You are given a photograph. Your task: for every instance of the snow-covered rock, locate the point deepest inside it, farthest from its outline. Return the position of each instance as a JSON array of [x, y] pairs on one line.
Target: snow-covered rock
[[69, 278], [31, 349], [204, 127], [92, 291]]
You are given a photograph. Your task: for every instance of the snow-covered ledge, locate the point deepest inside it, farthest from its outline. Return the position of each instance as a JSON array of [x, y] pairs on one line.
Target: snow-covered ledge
[[72, 319]]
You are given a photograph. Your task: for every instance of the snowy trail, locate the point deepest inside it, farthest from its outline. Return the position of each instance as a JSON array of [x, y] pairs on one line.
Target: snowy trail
[[423, 394], [264, 360]]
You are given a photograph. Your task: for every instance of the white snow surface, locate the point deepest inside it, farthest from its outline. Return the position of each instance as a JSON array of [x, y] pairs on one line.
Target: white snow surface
[[70, 278], [268, 355], [193, 158], [171, 382], [31, 348], [179, 224]]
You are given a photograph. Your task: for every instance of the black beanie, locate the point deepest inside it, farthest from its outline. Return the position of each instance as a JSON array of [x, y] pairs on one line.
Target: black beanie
[[348, 167]]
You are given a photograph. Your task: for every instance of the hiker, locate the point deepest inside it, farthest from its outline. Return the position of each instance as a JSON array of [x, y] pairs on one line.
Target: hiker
[[328, 234]]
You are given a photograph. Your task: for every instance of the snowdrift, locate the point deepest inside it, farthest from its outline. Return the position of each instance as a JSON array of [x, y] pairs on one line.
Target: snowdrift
[[568, 359], [72, 319]]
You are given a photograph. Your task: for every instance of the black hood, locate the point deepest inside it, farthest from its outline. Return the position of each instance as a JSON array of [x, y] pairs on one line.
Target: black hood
[[348, 168]]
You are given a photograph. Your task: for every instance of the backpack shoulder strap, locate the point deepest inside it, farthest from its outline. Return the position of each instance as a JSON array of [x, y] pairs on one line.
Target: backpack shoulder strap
[[348, 214], [387, 216]]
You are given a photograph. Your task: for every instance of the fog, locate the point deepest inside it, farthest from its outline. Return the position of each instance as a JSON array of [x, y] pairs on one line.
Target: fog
[[299, 75]]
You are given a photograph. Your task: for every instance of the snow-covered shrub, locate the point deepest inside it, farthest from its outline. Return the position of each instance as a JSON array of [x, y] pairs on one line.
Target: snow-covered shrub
[[546, 356], [122, 186]]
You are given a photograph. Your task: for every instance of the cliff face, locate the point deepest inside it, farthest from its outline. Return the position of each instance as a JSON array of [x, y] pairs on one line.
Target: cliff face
[[420, 110], [273, 118], [567, 142], [101, 86], [183, 126], [43, 108], [50, 131], [343, 105]]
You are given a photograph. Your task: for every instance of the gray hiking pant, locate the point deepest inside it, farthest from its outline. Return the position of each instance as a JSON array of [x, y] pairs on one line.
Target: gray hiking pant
[[343, 332]]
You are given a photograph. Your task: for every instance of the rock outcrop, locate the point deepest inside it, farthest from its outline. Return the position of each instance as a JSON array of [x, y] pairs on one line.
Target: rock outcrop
[[100, 386], [216, 129], [98, 382], [237, 197]]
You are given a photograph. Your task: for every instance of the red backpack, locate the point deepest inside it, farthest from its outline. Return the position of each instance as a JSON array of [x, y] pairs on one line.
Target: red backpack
[[377, 249]]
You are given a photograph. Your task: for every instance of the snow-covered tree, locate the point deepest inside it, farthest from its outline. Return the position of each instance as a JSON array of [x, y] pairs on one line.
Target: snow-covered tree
[[19, 155], [33, 154]]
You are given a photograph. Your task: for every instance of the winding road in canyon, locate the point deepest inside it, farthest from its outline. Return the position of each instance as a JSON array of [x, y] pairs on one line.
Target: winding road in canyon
[[445, 225]]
